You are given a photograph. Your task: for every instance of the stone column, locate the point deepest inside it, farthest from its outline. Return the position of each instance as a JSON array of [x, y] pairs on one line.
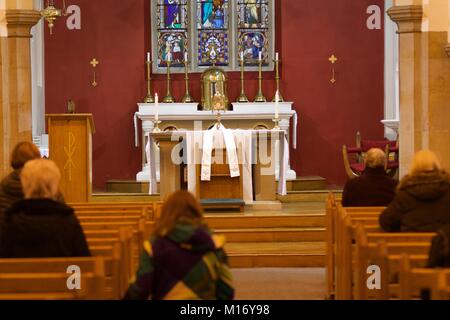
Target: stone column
[[424, 80], [15, 97], [409, 21]]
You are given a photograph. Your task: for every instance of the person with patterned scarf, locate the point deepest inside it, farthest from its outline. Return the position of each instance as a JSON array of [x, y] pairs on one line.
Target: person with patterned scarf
[[183, 260]]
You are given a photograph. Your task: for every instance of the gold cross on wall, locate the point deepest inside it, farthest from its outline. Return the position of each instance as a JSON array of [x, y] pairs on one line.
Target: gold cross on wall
[[94, 62], [333, 59]]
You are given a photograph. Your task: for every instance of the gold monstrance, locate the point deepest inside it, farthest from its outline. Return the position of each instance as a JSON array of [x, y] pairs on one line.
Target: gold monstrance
[[218, 106]]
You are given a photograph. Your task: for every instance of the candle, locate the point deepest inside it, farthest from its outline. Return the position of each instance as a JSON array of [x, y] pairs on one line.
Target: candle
[[156, 107], [260, 56], [148, 57], [277, 107], [276, 56], [242, 55], [186, 56], [169, 54]]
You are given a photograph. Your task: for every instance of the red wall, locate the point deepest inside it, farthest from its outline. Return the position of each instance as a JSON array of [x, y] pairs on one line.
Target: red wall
[[117, 33]]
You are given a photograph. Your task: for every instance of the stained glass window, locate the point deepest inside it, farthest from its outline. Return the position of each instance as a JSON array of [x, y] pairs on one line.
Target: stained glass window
[[212, 32], [212, 27], [253, 30], [172, 31]]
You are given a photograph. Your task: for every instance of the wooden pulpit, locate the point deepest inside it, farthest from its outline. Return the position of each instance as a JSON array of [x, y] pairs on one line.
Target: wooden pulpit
[[70, 146]]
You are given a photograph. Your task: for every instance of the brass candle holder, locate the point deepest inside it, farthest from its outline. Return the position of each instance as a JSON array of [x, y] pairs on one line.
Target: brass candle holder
[[277, 78], [187, 97], [260, 96], [277, 124], [156, 126], [149, 97], [242, 96], [168, 98]]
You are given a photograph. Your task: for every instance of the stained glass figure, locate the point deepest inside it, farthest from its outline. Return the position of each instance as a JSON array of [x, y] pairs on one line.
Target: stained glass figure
[[212, 26], [253, 26], [213, 48], [172, 31]]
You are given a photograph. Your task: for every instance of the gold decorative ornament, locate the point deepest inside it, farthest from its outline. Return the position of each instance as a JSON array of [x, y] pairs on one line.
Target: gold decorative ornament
[[260, 96], [333, 59], [242, 97], [277, 78], [187, 96], [214, 81], [148, 78], [51, 13], [218, 106], [168, 98], [94, 63]]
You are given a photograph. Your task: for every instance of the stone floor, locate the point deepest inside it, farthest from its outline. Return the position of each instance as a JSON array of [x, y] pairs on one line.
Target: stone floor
[[279, 284]]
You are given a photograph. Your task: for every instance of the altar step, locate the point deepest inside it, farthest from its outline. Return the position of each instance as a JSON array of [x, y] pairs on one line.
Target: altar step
[[276, 255], [273, 240], [307, 183], [309, 196]]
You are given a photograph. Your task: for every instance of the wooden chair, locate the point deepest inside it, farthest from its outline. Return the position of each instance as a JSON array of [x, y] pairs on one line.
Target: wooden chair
[[46, 279], [354, 156]]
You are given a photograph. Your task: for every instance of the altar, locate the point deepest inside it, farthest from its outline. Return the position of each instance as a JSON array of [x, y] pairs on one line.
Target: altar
[[220, 163], [186, 117]]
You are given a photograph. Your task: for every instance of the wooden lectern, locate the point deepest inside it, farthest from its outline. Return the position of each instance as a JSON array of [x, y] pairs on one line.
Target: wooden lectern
[[70, 146]]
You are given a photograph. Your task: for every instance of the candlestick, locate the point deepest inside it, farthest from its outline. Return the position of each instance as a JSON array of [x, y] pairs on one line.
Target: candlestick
[[187, 96], [156, 122], [242, 97], [277, 77], [168, 98], [277, 112], [148, 64], [260, 96]]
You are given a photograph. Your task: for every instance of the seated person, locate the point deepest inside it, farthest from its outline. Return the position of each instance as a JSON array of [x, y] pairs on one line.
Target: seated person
[[39, 226], [374, 188], [422, 202], [182, 260], [10, 187]]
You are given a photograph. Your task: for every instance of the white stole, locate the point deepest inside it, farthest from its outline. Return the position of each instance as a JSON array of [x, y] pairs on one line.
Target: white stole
[[230, 145]]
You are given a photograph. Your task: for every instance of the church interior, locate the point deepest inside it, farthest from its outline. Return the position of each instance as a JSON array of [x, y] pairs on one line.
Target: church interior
[[256, 149]]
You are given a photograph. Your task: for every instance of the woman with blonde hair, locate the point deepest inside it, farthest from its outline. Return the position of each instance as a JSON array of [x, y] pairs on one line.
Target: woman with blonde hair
[[40, 226], [182, 260], [422, 202]]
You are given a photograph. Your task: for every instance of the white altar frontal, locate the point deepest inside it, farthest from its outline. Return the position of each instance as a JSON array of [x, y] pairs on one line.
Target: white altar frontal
[[187, 117]]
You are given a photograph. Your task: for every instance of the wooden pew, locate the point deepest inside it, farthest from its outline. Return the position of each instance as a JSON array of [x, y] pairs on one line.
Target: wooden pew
[[330, 244], [46, 279], [345, 226], [413, 280], [148, 209], [383, 250]]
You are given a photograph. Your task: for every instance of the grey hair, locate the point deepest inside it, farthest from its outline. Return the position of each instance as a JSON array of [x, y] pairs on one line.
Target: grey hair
[[40, 179], [375, 158]]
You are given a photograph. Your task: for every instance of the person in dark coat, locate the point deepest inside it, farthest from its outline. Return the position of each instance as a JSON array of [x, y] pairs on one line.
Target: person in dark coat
[[39, 226], [422, 202], [374, 188], [183, 260], [11, 187]]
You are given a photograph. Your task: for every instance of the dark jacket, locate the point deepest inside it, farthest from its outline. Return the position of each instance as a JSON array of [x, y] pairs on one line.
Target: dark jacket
[[422, 204], [187, 264], [38, 228], [439, 256], [374, 188], [10, 191]]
